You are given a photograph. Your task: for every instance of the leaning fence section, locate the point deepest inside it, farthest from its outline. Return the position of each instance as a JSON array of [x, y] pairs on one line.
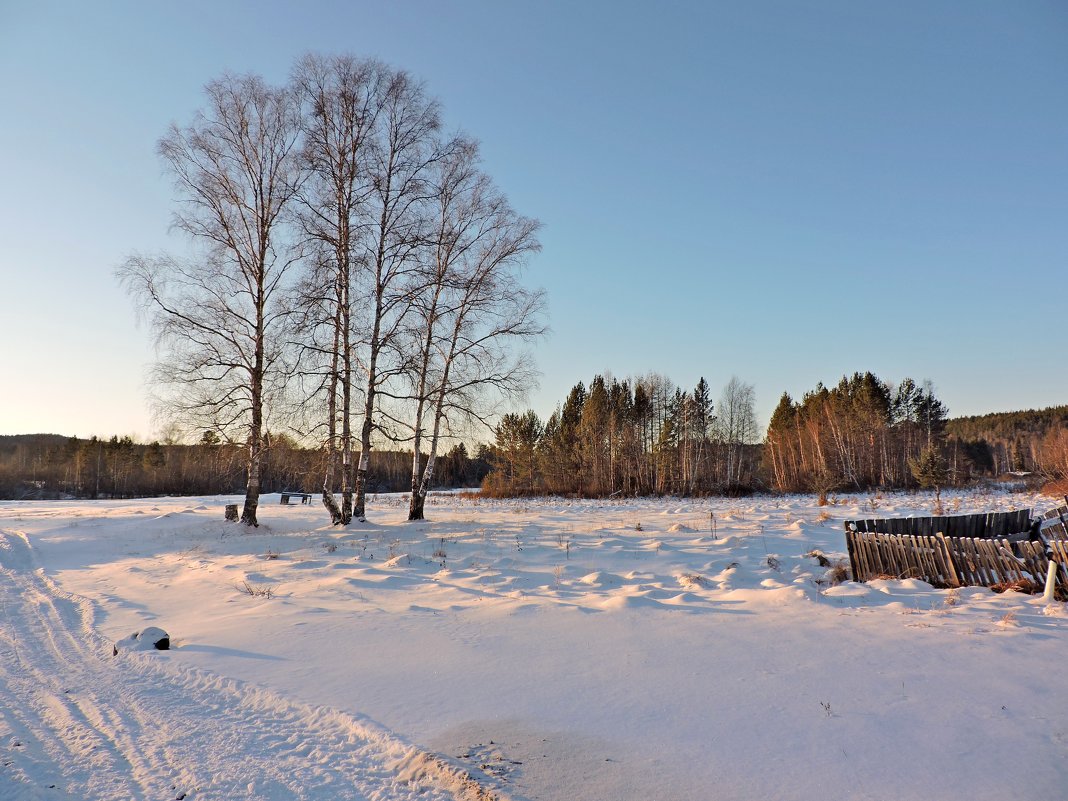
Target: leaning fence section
[[1004, 549]]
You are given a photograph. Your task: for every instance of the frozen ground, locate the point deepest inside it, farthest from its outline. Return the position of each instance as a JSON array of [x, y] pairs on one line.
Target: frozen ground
[[550, 649]]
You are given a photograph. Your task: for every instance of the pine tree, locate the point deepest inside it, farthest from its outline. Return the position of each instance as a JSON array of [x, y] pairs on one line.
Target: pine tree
[[931, 471]]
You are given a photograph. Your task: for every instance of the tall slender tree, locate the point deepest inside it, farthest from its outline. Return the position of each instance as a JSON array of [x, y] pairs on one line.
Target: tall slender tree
[[472, 308], [218, 317], [342, 98], [402, 151]]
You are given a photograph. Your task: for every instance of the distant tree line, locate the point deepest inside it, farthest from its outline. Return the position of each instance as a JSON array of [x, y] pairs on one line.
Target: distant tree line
[[638, 436], [41, 466]]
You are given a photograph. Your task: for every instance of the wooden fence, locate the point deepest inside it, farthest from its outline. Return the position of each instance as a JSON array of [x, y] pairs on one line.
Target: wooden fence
[[989, 525], [1059, 512], [997, 553]]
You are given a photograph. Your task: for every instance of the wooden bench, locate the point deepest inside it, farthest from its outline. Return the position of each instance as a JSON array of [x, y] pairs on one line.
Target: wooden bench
[[305, 497]]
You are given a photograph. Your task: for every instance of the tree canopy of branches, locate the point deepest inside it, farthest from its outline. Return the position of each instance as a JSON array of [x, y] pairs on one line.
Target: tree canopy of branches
[[342, 98], [415, 286], [356, 272], [470, 310]]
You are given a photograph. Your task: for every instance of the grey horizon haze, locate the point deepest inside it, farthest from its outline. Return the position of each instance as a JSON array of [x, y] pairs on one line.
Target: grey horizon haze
[[785, 192]]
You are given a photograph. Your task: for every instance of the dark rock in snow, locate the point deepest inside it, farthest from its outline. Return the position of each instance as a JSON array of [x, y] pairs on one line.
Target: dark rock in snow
[[152, 638]]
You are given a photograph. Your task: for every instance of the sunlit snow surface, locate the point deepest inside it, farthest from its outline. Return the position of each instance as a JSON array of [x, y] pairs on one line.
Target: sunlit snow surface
[[668, 649]]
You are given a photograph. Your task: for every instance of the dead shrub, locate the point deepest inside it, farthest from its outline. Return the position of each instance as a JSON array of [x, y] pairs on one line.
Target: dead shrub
[[692, 581], [1020, 585], [256, 590], [838, 573]]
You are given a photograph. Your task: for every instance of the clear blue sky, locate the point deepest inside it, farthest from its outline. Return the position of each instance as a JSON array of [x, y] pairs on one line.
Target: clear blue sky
[[782, 191]]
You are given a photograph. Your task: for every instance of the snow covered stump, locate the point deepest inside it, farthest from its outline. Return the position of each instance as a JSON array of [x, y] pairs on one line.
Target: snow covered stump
[[150, 639], [231, 512]]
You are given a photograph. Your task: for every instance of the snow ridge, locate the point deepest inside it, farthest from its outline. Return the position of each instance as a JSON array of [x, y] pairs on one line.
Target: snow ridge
[[81, 723]]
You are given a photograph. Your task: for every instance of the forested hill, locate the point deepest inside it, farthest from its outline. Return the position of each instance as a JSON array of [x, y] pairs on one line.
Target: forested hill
[[1008, 425], [1024, 440]]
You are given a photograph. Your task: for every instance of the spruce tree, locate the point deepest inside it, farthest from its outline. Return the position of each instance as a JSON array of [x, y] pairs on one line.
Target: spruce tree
[[931, 471]]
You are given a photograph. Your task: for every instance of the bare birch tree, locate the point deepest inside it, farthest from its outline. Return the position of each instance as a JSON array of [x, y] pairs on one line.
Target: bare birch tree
[[404, 147], [472, 308], [216, 317], [342, 97], [737, 425]]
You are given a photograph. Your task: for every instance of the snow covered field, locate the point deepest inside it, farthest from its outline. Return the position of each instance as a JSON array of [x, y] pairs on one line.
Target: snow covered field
[[552, 649]]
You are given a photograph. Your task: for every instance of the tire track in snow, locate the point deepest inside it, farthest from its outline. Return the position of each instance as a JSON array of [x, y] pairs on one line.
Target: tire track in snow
[[77, 722]]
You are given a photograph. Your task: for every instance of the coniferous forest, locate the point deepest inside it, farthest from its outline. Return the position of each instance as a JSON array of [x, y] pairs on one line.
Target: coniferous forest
[[647, 436]]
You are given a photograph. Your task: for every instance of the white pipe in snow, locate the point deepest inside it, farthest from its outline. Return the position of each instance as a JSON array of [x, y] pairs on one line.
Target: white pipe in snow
[[1051, 582]]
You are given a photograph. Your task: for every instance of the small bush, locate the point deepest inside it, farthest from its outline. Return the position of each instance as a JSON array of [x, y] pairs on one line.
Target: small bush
[[838, 573], [692, 581], [256, 590]]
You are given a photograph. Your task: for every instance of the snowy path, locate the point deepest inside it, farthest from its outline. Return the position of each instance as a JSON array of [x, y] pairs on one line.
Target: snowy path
[[77, 722]]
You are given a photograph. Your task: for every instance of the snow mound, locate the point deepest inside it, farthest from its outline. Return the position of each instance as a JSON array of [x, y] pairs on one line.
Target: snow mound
[[150, 639]]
